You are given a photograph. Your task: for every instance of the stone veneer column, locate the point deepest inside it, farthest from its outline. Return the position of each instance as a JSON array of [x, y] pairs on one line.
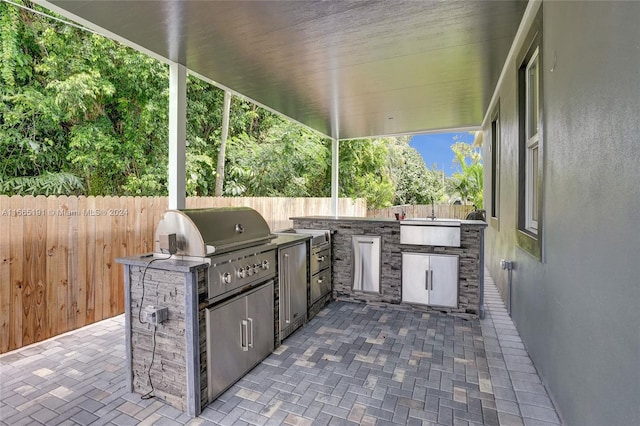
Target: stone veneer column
[[180, 349]]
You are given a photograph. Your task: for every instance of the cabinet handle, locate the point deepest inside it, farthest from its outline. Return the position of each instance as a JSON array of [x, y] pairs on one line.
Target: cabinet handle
[[243, 335], [320, 258], [319, 280], [428, 279], [287, 296], [250, 340]]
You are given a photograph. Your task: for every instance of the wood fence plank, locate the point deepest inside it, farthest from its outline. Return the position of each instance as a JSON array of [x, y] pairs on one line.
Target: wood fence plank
[[17, 259], [90, 262], [98, 277], [118, 239], [73, 295], [83, 285], [5, 273], [40, 278], [106, 266], [53, 258], [63, 265], [28, 285]]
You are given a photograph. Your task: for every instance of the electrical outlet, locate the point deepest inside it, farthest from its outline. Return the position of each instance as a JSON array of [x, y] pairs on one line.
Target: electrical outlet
[[506, 264], [168, 243], [156, 314]]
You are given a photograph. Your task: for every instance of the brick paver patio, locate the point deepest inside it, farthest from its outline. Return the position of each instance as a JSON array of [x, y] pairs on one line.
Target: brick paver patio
[[352, 364]]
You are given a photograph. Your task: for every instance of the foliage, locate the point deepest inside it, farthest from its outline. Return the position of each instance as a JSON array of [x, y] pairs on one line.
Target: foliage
[[415, 183], [363, 172], [468, 183], [46, 184]]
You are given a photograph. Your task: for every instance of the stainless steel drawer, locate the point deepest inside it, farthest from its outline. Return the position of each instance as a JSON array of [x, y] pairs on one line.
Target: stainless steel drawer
[[320, 284], [320, 260]]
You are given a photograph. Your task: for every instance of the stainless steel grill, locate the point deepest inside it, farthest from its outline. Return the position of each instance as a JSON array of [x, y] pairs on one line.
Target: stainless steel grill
[[239, 315], [234, 241]]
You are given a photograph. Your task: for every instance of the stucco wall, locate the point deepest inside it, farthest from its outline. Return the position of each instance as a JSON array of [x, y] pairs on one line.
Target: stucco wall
[[578, 310]]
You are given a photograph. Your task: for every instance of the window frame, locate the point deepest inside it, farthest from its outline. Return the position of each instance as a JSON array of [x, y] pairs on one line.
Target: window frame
[[532, 195], [529, 229], [495, 147]]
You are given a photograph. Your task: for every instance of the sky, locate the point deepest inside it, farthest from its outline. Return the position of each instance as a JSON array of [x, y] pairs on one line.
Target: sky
[[436, 148]]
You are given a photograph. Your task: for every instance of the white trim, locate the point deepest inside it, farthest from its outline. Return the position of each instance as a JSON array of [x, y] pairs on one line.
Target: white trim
[[335, 161], [532, 134], [177, 135]]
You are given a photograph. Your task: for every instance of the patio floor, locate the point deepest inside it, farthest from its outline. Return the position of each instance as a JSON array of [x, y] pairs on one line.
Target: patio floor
[[352, 364]]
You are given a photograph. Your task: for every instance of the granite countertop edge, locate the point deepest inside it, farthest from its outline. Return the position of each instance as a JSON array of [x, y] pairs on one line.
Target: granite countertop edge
[[160, 261]]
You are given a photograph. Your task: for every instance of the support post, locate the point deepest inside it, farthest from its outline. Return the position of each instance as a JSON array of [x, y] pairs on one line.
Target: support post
[[177, 135], [335, 157]]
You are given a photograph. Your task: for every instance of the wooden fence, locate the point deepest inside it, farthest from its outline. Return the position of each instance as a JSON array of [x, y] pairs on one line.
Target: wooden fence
[[57, 254], [440, 210]]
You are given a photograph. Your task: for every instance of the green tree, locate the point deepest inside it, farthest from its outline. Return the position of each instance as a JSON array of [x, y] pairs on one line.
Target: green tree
[[468, 182], [415, 183], [364, 171]]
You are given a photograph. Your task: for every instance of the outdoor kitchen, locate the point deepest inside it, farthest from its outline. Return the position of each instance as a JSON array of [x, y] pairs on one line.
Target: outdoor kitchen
[[220, 292]]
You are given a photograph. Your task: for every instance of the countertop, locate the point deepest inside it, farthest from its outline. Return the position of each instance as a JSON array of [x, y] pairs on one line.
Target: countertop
[[284, 239], [377, 219], [161, 261]]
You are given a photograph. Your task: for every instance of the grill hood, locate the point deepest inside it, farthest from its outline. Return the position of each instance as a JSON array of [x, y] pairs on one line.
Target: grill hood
[[205, 232]]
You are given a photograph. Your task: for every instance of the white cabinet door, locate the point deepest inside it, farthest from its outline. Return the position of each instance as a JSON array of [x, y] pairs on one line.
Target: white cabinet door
[[444, 280], [414, 278]]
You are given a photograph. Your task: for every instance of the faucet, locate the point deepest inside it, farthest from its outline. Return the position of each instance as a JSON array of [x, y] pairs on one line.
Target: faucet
[[433, 213]]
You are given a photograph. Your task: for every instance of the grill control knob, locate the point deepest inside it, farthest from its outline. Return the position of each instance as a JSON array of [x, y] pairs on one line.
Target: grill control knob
[[248, 270], [240, 273], [265, 264], [256, 268], [226, 278]]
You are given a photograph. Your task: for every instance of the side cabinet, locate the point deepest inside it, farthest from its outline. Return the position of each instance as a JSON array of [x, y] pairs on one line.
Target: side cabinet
[[239, 335], [430, 279], [292, 276]]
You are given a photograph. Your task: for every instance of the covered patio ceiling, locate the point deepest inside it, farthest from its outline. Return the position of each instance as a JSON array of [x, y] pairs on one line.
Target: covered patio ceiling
[[347, 69]]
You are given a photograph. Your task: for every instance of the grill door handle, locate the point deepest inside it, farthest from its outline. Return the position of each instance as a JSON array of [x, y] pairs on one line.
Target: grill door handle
[[250, 333], [243, 335], [428, 279], [287, 286]]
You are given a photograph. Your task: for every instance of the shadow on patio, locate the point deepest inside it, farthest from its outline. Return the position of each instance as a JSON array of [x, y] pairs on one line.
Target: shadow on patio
[[352, 364]]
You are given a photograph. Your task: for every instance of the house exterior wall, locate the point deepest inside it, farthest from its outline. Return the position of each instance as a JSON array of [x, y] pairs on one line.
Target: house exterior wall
[[578, 310]]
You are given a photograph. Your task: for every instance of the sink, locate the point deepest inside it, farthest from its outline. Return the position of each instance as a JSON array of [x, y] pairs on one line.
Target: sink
[[427, 221], [430, 232]]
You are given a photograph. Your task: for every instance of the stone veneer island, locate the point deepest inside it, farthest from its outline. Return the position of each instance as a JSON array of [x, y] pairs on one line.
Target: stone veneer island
[[470, 252]]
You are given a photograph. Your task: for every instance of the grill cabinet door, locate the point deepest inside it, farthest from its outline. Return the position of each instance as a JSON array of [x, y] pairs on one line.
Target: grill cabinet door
[[261, 332], [227, 344]]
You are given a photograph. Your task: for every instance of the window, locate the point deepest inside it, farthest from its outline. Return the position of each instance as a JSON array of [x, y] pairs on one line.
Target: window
[[495, 164], [532, 124], [531, 140]]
